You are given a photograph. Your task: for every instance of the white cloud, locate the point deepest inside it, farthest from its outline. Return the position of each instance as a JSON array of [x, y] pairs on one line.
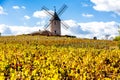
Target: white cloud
[[87, 15], [4, 29], [27, 17], [91, 29], [107, 5], [83, 30], [23, 7], [71, 22], [16, 7], [114, 15], [2, 10], [85, 4], [16, 30], [41, 23], [23, 29], [100, 29], [40, 14]]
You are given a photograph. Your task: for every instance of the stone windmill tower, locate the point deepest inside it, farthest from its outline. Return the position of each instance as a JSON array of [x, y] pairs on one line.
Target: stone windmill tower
[[55, 22]]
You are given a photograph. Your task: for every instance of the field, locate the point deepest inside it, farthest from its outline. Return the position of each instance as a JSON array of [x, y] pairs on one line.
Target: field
[[58, 58]]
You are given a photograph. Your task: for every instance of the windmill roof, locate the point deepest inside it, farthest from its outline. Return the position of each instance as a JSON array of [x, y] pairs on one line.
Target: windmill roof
[[55, 17]]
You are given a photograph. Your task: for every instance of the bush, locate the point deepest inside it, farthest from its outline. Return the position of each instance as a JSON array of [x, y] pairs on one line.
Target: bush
[[117, 38]]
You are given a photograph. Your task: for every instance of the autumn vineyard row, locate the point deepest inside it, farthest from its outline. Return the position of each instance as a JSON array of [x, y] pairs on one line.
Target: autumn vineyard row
[[58, 58]]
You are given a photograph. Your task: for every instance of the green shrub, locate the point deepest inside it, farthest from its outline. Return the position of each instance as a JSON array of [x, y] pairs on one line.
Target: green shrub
[[117, 38]]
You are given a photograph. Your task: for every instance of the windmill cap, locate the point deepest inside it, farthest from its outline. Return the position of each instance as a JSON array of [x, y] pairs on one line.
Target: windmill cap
[[55, 17]]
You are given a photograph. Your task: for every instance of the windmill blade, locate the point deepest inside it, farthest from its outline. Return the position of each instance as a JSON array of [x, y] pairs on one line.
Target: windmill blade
[[47, 25], [46, 10], [62, 9], [65, 25]]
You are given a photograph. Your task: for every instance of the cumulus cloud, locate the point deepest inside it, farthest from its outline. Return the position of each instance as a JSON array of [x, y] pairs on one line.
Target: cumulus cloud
[[114, 15], [2, 10], [107, 5], [71, 22], [85, 4], [16, 7], [83, 30], [16, 30], [100, 29], [23, 7], [91, 29], [40, 14], [27, 17], [87, 15], [5, 29], [41, 23]]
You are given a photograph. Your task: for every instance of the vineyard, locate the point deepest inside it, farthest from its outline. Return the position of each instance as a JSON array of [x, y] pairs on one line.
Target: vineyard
[[58, 58]]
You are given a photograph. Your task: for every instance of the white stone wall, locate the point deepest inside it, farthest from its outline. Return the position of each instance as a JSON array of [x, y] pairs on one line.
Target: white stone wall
[[55, 27]]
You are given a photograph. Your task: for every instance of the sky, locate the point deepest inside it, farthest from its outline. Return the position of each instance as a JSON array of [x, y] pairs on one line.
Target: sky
[[86, 18]]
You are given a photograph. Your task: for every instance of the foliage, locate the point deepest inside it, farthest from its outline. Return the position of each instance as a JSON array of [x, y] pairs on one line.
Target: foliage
[[55, 58], [117, 38]]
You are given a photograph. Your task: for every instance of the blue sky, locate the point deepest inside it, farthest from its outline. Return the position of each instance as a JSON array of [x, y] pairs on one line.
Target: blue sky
[[86, 18]]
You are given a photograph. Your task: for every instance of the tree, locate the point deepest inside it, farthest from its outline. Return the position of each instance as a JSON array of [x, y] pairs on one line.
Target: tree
[[107, 36], [117, 38], [119, 29]]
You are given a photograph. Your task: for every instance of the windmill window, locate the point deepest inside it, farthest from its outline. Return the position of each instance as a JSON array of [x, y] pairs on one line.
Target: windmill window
[[55, 23], [55, 32]]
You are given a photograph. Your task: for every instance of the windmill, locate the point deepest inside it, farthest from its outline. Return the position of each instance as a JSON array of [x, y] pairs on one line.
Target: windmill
[[55, 22]]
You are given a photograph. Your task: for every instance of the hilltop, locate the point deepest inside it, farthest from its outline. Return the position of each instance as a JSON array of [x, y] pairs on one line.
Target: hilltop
[[58, 58]]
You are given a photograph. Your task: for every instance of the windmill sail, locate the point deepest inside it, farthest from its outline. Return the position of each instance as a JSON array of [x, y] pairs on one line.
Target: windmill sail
[[62, 9], [46, 10], [55, 22], [65, 26]]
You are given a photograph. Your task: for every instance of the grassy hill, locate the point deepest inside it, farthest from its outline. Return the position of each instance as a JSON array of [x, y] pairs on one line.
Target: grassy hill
[[58, 58]]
